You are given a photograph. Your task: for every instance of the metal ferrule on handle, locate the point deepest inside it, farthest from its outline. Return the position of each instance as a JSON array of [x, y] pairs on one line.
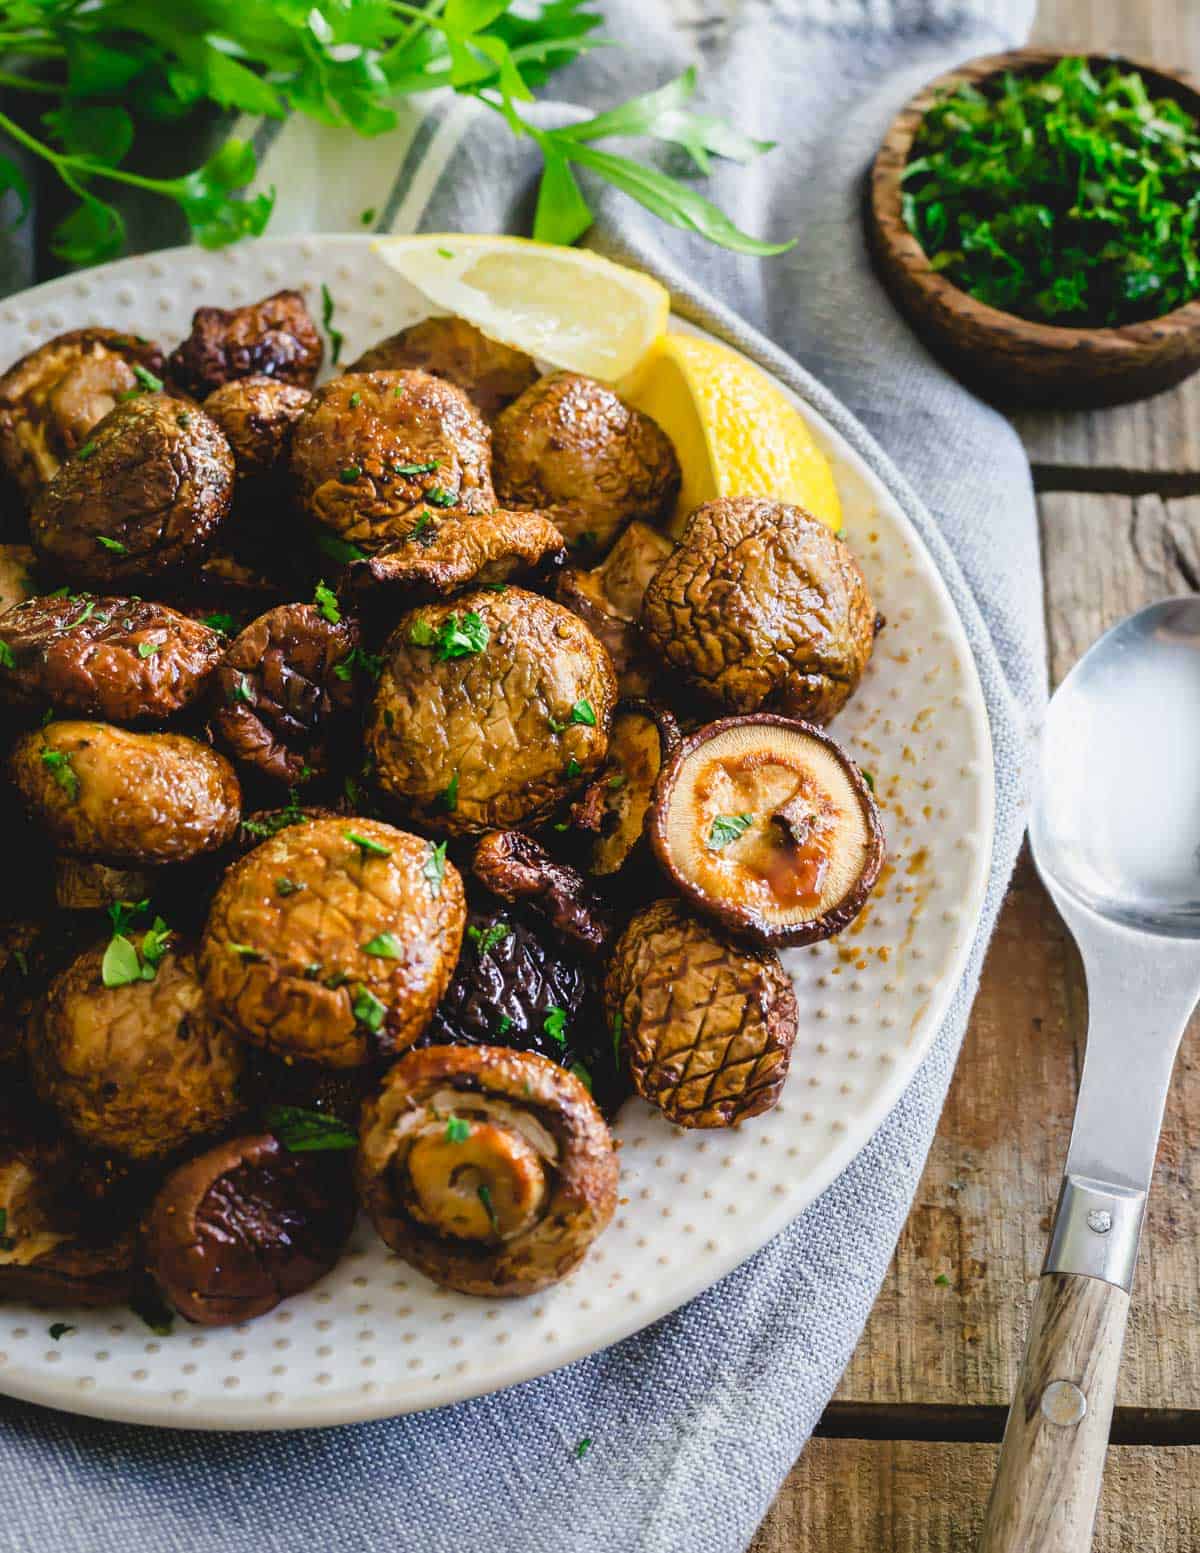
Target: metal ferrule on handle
[[1096, 1231]]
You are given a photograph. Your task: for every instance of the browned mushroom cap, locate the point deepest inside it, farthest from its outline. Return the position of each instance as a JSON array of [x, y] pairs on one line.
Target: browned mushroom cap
[[447, 553], [517, 870], [762, 609], [121, 659], [609, 599], [768, 826], [615, 806], [705, 1023], [87, 884], [490, 374], [490, 1170], [334, 940], [106, 792], [375, 451], [142, 497], [140, 1068], [571, 448], [489, 709], [236, 1230], [16, 574], [257, 415], [283, 687], [274, 337], [51, 398]]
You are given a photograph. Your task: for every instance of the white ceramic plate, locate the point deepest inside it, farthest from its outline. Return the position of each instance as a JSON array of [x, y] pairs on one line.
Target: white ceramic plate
[[375, 1338]]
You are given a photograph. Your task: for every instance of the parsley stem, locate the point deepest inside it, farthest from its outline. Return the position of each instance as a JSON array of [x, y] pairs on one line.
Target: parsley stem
[[20, 83]]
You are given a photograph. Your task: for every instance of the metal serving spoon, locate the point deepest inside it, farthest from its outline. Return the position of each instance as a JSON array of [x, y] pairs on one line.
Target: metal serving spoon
[[1116, 838]]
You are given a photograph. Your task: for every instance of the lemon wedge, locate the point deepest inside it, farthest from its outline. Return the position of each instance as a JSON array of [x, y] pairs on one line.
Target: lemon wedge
[[735, 432], [565, 306]]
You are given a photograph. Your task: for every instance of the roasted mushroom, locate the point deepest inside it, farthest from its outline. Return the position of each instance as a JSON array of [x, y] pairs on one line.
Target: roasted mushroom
[[491, 1171], [609, 599], [762, 609], [139, 1066], [575, 451], [520, 872], [273, 338], [236, 1230], [705, 1023], [87, 884], [285, 686], [105, 792], [338, 1093], [615, 806], [51, 398], [142, 498], [377, 456], [126, 660], [265, 823], [490, 374], [334, 940], [257, 415], [444, 554], [767, 825], [489, 710]]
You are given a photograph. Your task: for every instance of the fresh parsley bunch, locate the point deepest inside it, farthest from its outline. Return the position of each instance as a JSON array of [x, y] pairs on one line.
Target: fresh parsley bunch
[[104, 70]]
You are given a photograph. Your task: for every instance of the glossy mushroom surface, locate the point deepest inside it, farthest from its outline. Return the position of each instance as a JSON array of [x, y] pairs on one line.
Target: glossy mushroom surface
[[608, 598], [257, 415], [491, 1171], [705, 1023], [244, 1226], [489, 373], [616, 805], [274, 337], [767, 825], [445, 553], [333, 941], [517, 870]]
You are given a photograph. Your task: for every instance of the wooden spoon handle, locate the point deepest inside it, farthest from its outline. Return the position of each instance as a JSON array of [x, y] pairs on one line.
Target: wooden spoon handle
[[1047, 1485]]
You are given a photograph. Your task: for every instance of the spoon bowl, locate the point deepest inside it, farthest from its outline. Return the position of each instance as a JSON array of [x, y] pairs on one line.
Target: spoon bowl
[[1116, 818]]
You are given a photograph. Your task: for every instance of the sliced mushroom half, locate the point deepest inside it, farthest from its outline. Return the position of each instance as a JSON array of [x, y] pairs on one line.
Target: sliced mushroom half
[[644, 738], [490, 1170], [768, 826]]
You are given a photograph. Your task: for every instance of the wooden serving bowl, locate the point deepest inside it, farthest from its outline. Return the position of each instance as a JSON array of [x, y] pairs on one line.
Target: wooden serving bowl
[[1014, 361]]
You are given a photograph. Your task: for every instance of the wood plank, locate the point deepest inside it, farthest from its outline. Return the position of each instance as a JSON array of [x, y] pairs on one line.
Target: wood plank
[[1116, 449], [928, 1497], [950, 1321]]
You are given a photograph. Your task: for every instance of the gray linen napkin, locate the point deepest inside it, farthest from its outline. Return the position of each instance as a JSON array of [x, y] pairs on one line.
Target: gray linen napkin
[[695, 1421]]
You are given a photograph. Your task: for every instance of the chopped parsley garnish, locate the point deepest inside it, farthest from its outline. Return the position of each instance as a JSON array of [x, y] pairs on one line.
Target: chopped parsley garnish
[[88, 610], [307, 1132], [445, 253], [219, 622], [368, 1010], [496, 587], [184, 419], [617, 1025], [366, 217], [59, 764], [384, 946], [417, 469], [287, 887], [246, 951], [339, 550], [503, 1025], [942, 1281], [336, 337], [452, 639], [485, 1197], [355, 399], [583, 712], [148, 649], [370, 663], [617, 782], [458, 1130], [7, 1241], [726, 828], [555, 1024], [327, 605], [448, 797], [436, 496], [263, 829], [366, 846], [420, 530], [869, 778], [1066, 196], [573, 767], [582, 1074], [487, 938], [59, 1330], [582, 1448], [149, 383], [242, 691], [122, 964], [350, 474], [151, 1308], [86, 451], [22, 960], [7, 657], [434, 868], [114, 545]]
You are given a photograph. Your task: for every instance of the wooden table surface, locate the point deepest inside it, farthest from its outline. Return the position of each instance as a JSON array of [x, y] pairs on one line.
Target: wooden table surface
[[903, 1459]]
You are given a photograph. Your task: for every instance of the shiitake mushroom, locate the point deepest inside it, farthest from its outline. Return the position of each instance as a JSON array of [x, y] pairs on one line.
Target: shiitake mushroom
[[766, 825], [491, 1171], [615, 806], [245, 1225], [489, 373], [608, 598], [516, 869]]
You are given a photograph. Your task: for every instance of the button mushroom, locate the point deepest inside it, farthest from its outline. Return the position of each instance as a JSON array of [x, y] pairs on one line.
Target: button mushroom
[[616, 804], [143, 497], [378, 455], [442, 554], [489, 373], [285, 690], [609, 599], [125, 797], [491, 1171], [489, 709], [334, 940], [131, 1059], [705, 1023], [767, 825], [572, 449], [124, 660], [51, 398], [274, 337], [761, 608], [236, 1230]]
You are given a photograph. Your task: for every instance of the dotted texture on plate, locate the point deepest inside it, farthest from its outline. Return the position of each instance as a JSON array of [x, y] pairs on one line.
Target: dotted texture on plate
[[375, 1338]]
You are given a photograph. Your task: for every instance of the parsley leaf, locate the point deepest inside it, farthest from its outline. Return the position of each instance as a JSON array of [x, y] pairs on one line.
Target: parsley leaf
[[148, 649], [452, 639], [308, 1132], [416, 469], [385, 946], [114, 545], [367, 1009], [151, 1308], [225, 624], [366, 846], [485, 1197], [488, 937], [555, 1024], [336, 337], [434, 868], [327, 605], [582, 713], [726, 828], [448, 797], [458, 1130], [8, 658], [61, 769]]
